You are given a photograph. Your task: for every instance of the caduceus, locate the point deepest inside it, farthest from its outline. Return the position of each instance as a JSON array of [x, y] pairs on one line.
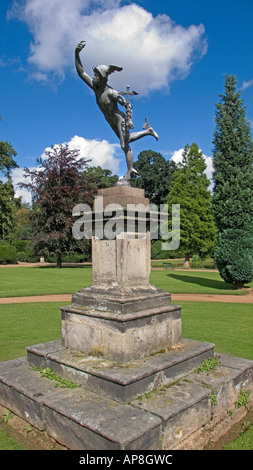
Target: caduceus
[[108, 99], [127, 124]]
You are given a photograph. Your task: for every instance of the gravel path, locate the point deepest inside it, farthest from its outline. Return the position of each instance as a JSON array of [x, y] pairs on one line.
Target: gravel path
[[246, 298]]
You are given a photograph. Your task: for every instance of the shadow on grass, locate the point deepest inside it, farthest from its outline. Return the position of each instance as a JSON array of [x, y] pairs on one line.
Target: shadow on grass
[[53, 266], [203, 282]]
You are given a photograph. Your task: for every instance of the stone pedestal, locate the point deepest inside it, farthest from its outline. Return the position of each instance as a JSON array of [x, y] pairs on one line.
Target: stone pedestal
[[121, 316]]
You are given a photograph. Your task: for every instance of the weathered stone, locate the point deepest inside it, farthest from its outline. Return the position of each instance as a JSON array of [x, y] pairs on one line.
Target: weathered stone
[[183, 408], [83, 420], [122, 261], [225, 383], [123, 196], [22, 391], [122, 382], [239, 363], [121, 337], [118, 299], [174, 416], [75, 417]]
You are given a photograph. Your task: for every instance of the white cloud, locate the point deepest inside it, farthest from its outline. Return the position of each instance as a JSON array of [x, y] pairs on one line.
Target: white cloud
[[209, 167], [18, 177], [101, 153], [178, 156], [153, 51], [246, 85]]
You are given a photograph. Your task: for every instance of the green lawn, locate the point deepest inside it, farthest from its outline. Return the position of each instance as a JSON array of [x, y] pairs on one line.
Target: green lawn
[[195, 282], [244, 442], [228, 325], [27, 281], [22, 281], [24, 324]]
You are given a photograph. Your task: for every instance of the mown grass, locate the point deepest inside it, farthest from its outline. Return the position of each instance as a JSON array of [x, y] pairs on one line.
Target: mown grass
[[9, 443], [244, 442], [26, 324], [228, 325], [28, 281]]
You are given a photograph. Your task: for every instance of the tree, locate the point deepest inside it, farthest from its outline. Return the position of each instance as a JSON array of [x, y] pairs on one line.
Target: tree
[[155, 175], [23, 226], [7, 162], [8, 202], [8, 206], [100, 178], [233, 188], [56, 188], [190, 190]]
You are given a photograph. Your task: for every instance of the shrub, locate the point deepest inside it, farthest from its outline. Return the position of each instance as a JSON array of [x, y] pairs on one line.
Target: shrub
[[21, 245], [22, 256], [8, 254]]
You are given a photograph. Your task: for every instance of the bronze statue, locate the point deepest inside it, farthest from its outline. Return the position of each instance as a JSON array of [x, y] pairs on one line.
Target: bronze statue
[[107, 99]]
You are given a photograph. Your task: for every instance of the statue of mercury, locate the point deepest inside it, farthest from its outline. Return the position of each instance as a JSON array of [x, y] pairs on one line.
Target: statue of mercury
[[108, 99]]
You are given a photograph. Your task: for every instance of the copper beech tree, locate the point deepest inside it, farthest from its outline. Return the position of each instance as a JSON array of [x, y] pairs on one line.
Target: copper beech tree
[[57, 186]]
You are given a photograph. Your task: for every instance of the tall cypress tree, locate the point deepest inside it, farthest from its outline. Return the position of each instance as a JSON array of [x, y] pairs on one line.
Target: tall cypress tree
[[233, 188], [190, 189]]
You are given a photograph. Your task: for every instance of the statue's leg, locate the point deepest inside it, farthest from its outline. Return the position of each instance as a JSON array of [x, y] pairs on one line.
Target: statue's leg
[[138, 135], [124, 137], [130, 163]]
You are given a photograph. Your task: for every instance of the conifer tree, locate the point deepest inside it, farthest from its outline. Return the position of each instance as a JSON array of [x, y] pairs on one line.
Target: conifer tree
[[233, 188], [8, 202], [190, 190]]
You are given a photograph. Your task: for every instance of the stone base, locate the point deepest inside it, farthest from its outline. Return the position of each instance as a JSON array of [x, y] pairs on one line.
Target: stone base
[[121, 323], [171, 410], [123, 196], [122, 300], [121, 382], [121, 338]]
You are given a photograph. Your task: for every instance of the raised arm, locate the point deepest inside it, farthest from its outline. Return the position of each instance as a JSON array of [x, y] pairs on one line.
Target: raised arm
[[79, 67], [121, 100]]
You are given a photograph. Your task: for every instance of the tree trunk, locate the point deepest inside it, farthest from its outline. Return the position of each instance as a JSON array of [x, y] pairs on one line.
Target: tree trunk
[[59, 260], [239, 285], [187, 261]]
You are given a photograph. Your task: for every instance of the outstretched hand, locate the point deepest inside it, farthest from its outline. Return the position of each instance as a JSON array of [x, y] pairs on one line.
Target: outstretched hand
[[80, 46]]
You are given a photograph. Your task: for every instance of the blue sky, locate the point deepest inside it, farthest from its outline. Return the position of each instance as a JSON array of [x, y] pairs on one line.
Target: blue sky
[[175, 54]]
